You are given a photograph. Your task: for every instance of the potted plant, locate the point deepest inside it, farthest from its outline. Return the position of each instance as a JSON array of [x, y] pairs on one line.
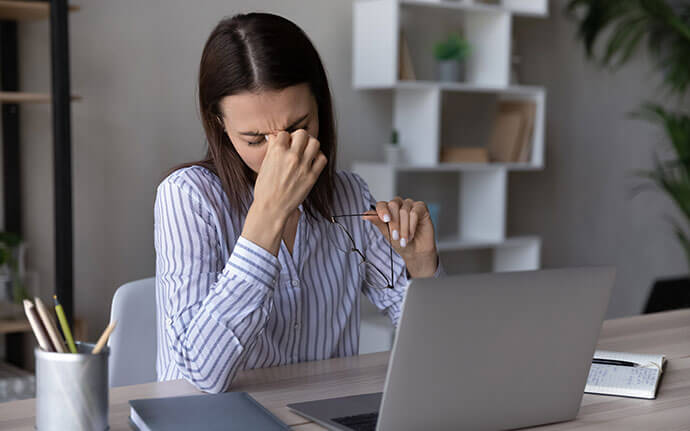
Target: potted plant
[[450, 55], [665, 27], [394, 152], [12, 267]]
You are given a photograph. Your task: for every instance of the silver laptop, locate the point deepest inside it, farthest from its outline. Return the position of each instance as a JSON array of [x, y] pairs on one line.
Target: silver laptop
[[483, 352]]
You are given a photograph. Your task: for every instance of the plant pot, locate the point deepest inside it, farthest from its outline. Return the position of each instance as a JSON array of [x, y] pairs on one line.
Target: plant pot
[[394, 154], [450, 71], [669, 294]]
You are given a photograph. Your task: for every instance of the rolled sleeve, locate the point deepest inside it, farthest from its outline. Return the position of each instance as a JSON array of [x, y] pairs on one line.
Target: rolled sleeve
[[253, 263]]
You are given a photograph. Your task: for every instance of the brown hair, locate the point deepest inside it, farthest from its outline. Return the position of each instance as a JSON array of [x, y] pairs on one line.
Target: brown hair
[[256, 52]]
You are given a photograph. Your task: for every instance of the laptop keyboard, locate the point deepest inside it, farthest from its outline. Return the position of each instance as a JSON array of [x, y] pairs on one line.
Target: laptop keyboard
[[363, 422]]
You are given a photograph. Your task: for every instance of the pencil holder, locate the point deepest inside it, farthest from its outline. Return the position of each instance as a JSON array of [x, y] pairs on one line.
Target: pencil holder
[[72, 389]]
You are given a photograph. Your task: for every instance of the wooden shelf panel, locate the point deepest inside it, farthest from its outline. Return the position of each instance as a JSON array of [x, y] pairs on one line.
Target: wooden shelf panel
[[18, 325], [24, 97], [27, 11]]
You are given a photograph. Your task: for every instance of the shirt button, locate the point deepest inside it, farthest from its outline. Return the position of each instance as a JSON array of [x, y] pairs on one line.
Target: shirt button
[[296, 325], [170, 321], [295, 283]]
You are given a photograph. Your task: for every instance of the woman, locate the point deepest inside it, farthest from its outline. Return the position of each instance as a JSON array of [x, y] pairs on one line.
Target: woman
[[256, 263]]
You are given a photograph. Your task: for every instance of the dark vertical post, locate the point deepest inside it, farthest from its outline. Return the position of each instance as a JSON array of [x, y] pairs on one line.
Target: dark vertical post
[[9, 81], [10, 128], [62, 153]]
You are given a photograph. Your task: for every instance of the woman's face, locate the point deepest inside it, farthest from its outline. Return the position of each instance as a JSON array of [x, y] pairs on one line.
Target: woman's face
[[247, 117]]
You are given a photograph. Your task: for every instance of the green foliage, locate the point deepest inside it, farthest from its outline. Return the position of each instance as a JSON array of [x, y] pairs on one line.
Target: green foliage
[[8, 245], [664, 25], [455, 47], [672, 176], [394, 137]]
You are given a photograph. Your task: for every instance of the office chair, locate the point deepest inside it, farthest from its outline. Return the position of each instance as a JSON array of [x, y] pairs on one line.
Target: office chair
[[133, 343]]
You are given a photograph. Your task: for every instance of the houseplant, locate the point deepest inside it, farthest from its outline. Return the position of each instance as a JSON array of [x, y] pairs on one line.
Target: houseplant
[[11, 267], [394, 152], [451, 54], [664, 27]]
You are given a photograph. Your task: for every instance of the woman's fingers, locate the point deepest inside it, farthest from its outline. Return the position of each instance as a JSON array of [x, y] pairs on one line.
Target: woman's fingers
[[299, 142], [419, 211], [394, 210], [311, 151], [382, 211], [404, 216], [281, 139], [319, 163]]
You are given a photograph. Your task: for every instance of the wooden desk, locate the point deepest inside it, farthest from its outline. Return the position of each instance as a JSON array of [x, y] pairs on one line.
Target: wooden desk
[[667, 333]]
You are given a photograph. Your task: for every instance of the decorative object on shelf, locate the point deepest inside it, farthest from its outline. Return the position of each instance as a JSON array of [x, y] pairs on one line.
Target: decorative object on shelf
[[450, 56], [405, 66], [394, 152], [464, 155], [666, 28], [12, 269], [511, 135]]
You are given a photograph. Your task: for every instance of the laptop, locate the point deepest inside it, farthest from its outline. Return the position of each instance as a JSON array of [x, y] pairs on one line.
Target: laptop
[[483, 352]]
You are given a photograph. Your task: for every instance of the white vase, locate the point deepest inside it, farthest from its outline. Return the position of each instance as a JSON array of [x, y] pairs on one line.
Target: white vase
[[394, 154]]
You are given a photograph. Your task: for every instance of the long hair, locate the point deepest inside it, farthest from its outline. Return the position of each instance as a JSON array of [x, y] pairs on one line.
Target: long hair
[[258, 52]]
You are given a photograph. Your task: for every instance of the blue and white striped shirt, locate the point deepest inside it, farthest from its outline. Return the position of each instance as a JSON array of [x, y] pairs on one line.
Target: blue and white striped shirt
[[225, 304]]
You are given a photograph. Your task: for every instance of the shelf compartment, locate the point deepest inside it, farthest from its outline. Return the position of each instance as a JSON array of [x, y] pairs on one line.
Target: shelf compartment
[[428, 116], [472, 202], [377, 25], [15, 10]]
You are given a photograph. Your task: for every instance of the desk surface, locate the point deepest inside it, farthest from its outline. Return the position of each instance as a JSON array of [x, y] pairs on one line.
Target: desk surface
[[667, 333]]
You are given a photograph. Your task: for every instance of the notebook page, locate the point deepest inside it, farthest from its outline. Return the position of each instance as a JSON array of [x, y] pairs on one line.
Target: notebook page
[[637, 382]]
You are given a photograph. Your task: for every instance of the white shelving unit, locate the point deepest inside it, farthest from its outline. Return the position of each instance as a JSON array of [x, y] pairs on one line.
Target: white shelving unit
[[430, 114]]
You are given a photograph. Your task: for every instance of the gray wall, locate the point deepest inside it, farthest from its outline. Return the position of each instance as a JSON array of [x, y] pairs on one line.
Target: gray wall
[[135, 64], [583, 204]]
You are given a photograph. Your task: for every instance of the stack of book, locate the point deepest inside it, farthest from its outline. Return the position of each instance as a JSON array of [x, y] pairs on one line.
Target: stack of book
[[511, 135]]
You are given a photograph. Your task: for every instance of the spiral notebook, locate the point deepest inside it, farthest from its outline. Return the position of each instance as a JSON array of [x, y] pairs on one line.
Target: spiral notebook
[[624, 381]]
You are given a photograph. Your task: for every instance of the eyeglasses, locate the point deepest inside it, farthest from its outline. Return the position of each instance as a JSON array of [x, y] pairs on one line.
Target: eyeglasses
[[343, 241]]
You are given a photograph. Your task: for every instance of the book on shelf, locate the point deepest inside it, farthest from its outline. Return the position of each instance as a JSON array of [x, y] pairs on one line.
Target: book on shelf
[[464, 155], [511, 135]]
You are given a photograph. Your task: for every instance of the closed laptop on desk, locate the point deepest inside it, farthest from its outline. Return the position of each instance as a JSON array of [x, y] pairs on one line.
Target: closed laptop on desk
[[484, 352]]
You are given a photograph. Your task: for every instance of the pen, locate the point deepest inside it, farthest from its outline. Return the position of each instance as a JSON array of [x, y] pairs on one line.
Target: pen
[[614, 362], [65, 326]]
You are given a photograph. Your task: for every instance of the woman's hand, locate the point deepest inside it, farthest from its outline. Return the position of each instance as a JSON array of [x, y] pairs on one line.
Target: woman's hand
[[412, 233], [290, 168]]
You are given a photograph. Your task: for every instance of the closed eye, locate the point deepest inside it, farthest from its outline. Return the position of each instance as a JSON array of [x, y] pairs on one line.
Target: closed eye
[[262, 139], [257, 142]]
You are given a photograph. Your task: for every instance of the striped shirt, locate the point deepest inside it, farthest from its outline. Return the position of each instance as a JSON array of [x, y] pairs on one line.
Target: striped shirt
[[225, 304]]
